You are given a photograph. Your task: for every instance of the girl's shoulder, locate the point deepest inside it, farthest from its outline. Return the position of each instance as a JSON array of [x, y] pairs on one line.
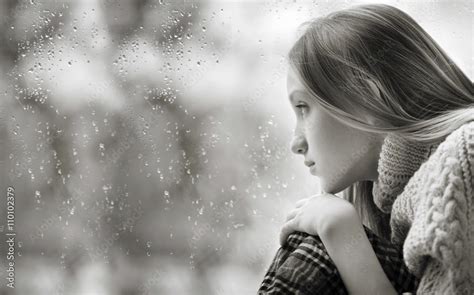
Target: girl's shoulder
[[440, 196], [459, 144], [453, 156]]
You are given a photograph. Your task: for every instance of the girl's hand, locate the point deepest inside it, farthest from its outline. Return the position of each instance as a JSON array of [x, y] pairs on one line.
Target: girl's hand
[[314, 215]]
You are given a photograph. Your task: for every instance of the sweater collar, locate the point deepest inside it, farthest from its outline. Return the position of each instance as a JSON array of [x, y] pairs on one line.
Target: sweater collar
[[399, 160]]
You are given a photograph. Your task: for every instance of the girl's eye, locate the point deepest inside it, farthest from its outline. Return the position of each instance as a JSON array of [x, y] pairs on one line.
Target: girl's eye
[[302, 108]]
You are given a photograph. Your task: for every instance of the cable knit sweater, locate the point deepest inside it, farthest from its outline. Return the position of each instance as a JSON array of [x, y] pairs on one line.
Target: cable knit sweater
[[428, 189]]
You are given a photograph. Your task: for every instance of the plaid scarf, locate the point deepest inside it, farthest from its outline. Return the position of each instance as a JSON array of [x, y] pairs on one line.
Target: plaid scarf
[[303, 266]]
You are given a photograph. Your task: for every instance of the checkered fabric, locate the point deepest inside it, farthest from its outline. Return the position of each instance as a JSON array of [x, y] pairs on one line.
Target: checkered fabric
[[303, 266]]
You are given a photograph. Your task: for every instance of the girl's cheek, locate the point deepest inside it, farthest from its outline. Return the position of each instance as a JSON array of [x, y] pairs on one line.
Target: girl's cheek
[[310, 123]]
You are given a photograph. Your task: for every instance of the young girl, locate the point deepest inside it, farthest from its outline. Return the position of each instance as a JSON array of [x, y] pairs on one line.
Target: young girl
[[385, 116]]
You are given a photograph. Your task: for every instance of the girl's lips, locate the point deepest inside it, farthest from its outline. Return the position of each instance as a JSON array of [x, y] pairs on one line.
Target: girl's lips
[[309, 163]]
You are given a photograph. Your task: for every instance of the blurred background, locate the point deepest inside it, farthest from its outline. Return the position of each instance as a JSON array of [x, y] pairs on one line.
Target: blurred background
[[148, 141]]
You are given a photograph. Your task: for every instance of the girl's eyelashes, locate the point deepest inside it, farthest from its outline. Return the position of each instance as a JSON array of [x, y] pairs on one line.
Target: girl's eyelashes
[[302, 108]]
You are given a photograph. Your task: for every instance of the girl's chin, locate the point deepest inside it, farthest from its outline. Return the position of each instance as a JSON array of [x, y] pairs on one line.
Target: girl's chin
[[331, 187]]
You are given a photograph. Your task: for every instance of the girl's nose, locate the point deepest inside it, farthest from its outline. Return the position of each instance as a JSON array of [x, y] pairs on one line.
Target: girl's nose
[[299, 145]]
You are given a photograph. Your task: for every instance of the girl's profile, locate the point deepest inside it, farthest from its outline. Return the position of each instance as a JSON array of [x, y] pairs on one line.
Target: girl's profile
[[236, 147], [386, 118]]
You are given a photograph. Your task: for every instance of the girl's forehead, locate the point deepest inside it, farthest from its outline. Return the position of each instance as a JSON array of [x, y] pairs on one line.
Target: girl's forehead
[[293, 82]]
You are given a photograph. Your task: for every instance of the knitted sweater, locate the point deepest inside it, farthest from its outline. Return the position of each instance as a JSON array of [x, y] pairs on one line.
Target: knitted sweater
[[428, 189]]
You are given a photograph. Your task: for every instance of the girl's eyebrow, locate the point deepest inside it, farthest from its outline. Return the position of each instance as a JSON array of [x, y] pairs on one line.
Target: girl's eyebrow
[[292, 95]]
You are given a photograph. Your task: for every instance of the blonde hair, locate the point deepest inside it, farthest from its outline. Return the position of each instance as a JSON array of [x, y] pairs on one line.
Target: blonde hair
[[419, 93]]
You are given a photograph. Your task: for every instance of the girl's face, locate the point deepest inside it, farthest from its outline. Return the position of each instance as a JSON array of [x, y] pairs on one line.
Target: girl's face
[[338, 154]]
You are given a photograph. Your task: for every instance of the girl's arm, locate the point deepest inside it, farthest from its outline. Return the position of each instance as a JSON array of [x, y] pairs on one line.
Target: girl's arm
[[350, 249]]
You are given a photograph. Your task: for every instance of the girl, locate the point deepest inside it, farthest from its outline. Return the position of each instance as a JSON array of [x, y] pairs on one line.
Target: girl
[[385, 116]]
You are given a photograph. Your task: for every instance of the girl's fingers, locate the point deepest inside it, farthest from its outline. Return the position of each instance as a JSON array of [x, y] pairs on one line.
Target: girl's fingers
[[287, 229], [292, 214], [301, 202], [291, 221]]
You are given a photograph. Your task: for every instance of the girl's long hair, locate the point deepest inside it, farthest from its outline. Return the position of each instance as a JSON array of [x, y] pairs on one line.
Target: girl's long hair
[[419, 93]]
